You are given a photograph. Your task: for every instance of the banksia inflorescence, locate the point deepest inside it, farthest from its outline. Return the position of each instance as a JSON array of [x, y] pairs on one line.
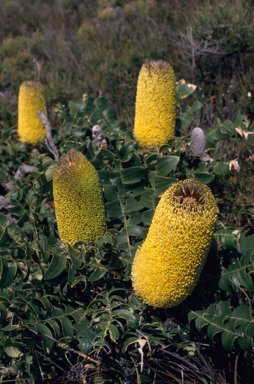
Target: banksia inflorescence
[[168, 265], [198, 145], [79, 206], [31, 99], [155, 113]]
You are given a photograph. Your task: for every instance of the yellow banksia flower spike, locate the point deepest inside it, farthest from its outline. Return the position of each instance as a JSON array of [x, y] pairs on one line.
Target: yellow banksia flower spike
[[155, 112], [31, 99], [78, 200], [168, 265]]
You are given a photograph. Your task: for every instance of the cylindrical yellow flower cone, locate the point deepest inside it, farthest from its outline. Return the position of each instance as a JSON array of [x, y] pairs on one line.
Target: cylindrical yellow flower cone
[[78, 200], [155, 113], [168, 265], [31, 99]]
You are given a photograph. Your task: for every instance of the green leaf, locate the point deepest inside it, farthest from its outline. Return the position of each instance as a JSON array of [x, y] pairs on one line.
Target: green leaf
[[11, 350], [184, 90], [74, 107], [148, 198], [166, 164], [56, 267], [204, 177], [133, 175], [86, 341], [212, 135], [242, 312], [8, 269], [131, 319], [147, 217], [231, 326], [67, 326], [113, 209], [113, 332], [246, 243], [222, 169], [4, 236], [228, 336], [237, 273], [97, 274], [3, 313], [227, 238], [44, 331], [196, 106], [239, 276]]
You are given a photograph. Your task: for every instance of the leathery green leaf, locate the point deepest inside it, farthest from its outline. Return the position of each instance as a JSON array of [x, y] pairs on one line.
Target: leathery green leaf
[[56, 267], [8, 272], [114, 332], [3, 313], [133, 175], [44, 331], [12, 350]]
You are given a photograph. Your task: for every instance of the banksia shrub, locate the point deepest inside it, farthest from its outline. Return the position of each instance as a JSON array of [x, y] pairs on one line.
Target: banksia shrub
[[155, 112], [79, 206], [168, 265], [31, 99]]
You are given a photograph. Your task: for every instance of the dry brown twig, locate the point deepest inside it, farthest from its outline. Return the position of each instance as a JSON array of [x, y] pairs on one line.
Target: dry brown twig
[[50, 145]]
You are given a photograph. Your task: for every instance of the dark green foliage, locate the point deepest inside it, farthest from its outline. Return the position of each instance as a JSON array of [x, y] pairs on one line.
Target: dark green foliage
[[59, 306]]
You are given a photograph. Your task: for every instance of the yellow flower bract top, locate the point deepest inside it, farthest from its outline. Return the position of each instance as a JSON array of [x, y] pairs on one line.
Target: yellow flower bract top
[[155, 113], [31, 99], [79, 205], [168, 265]]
